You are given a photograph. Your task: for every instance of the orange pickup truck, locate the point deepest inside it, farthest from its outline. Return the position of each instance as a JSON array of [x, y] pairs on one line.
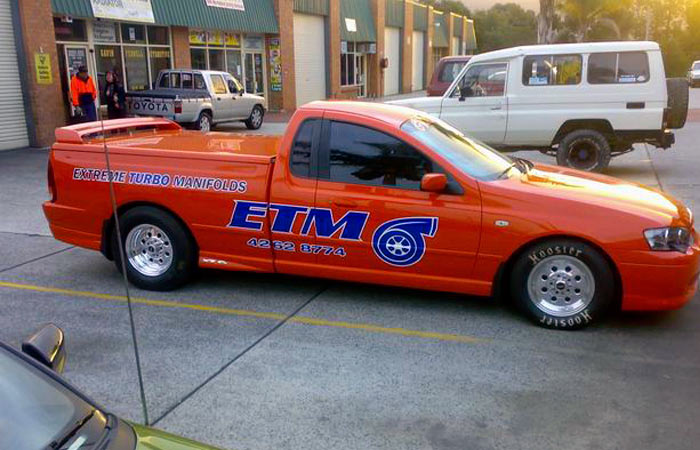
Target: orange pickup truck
[[372, 193]]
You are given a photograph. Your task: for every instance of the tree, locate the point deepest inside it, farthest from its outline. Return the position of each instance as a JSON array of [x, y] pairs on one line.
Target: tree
[[581, 18], [545, 22], [505, 25]]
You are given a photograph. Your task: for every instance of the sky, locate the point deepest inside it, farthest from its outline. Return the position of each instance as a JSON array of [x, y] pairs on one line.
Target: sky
[[486, 4]]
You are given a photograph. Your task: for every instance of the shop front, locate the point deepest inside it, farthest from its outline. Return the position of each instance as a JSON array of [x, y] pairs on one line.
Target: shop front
[[358, 41]]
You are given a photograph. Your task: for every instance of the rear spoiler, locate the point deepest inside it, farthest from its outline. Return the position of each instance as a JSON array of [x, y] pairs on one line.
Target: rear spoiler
[[76, 134]]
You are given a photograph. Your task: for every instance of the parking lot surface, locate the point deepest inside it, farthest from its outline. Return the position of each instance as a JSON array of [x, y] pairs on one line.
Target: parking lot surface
[[255, 361]]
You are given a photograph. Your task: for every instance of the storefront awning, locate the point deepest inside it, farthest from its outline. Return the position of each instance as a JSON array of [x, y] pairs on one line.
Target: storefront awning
[[258, 16], [440, 39], [357, 15]]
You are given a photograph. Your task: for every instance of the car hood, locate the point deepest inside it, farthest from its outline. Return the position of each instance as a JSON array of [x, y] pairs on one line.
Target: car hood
[[695, 73], [152, 439], [428, 104], [608, 192]]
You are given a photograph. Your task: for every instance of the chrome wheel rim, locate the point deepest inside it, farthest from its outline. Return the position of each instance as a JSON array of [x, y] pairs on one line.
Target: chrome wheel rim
[[256, 117], [561, 286], [149, 250], [204, 124]]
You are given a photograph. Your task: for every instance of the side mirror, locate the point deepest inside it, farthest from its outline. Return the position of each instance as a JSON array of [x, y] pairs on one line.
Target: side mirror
[[47, 347], [433, 182]]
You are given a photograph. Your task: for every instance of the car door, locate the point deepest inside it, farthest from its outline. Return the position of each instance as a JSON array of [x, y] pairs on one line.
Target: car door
[[373, 220], [240, 104], [221, 99], [477, 105]]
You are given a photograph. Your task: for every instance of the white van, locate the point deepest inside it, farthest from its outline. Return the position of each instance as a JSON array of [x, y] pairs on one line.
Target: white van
[[583, 103]]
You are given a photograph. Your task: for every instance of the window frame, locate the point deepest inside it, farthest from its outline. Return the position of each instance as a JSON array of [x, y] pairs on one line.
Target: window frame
[[324, 155], [617, 68], [551, 57]]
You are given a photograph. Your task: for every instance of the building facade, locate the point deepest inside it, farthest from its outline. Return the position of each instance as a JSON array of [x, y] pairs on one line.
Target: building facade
[[290, 51]]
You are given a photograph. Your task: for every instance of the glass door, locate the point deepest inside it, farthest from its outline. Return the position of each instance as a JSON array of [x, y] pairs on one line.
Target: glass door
[[234, 65], [74, 57], [254, 82]]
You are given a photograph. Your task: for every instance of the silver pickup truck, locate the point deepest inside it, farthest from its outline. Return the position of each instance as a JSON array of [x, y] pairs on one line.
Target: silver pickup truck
[[200, 98]]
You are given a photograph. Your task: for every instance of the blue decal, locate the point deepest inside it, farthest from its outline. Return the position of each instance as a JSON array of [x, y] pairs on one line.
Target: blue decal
[[242, 210], [401, 242], [352, 224], [286, 215]]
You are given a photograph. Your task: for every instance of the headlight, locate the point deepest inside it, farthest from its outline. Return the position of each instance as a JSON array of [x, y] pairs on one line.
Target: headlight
[[669, 239]]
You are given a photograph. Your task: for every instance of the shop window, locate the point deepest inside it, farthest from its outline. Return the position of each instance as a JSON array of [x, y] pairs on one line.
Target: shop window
[[158, 36], [136, 66], [199, 58], [160, 60], [108, 58], [611, 68], [352, 67], [70, 31], [552, 70], [216, 60], [362, 155], [105, 32], [233, 63], [133, 34]]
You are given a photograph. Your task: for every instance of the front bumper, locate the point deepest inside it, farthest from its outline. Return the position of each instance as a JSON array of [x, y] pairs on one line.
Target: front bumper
[[656, 281]]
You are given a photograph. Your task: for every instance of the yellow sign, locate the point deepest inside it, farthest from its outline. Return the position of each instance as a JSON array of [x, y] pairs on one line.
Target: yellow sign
[[232, 40], [42, 61], [198, 37]]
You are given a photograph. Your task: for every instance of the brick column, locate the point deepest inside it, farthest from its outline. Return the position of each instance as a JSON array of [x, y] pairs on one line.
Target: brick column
[[182, 59], [334, 48], [450, 32], [428, 55], [407, 47], [374, 71], [47, 109], [284, 11]]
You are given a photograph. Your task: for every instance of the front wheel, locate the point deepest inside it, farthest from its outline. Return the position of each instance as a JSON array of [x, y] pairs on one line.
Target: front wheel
[[255, 120], [160, 254], [584, 150], [563, 284]]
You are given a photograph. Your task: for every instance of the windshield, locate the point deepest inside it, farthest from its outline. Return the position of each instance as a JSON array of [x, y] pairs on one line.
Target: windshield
[[696, 66], [36, 410], [468, 155]]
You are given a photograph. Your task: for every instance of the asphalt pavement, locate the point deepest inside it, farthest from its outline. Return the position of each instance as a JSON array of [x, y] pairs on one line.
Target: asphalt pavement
[[256, 361]]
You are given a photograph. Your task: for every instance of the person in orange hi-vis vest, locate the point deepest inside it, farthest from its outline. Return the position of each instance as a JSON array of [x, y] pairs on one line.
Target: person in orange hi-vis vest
[[83, 94]]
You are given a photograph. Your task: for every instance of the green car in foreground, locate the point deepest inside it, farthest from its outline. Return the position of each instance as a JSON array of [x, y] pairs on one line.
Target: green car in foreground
[[40, 410]]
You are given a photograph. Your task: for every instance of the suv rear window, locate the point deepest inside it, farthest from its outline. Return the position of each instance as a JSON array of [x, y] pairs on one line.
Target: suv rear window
[[618, 68], [450, 71], [552, 70]]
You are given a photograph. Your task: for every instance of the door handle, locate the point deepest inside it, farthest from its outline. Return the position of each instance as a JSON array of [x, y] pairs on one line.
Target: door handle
[[218, 98], [344, 203], [496, 108]]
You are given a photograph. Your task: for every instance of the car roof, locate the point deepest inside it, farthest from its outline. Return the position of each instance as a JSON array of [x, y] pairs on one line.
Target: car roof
[[391, 114], [458, 58], [587, 47]]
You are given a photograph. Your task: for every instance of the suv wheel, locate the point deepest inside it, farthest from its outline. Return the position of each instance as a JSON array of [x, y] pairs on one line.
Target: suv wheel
[[255, 120], [563, 284], [584, 150]]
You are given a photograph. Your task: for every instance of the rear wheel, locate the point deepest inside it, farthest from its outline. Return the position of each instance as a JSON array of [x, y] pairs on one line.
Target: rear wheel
[[203, 123], [160, 254], [587, 150], [563, 284], [255, 120]]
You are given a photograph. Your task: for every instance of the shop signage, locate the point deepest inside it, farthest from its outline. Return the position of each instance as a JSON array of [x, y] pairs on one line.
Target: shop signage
[[198, 37], [275, 65], [42, 61], [227, 4], [253, 43], [215, 38], [232, 40], [131, 10], [350, 25], [104, 31]]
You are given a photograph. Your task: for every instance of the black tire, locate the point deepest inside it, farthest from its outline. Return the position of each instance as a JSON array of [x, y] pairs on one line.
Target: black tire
[[568, 257], [203, 119], [183, 249], [678, 95], [255, 120], [587, 150]]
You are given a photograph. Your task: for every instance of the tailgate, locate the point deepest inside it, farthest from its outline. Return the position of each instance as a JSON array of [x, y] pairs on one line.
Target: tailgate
[[150, 106]]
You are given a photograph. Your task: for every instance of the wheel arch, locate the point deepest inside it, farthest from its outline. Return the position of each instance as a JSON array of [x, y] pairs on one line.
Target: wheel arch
[[108, 225], [502, 277], [601, 125]]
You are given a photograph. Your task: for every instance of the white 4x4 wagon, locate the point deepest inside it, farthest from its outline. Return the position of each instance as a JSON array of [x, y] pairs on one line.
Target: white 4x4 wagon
[[584, 103]]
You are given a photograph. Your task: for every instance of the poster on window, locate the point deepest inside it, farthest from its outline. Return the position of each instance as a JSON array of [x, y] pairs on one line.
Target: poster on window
[[232, 40], [275, 65], [215, 38], [130, 10], [104, 31], [198, 37], [227, 4]]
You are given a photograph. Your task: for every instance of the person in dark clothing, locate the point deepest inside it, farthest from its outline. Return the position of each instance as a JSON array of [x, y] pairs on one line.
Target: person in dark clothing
[[115, 97], [83, 95]]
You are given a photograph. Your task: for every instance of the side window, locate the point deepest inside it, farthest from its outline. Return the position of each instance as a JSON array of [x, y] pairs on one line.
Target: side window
[[164, 81], [217, 82], [175, 80], [187, 80], [488, 80], [199, 82], [361, 155], [552, 70], [618, 68], [300, 161]]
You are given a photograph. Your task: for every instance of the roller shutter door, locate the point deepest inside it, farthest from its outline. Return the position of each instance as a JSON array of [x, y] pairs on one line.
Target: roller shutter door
[[13, 126], [418, 60], [392, 48], [309, 57]]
